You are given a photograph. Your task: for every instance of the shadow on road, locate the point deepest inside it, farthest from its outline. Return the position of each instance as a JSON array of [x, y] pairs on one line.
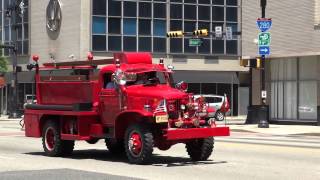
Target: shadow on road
[[157, 160]]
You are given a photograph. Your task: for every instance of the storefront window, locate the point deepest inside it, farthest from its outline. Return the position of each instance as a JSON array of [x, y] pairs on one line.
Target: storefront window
[[294, 89]]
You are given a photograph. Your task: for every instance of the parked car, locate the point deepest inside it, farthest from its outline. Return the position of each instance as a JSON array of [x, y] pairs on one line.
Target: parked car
[[219, 103], [30, 99]]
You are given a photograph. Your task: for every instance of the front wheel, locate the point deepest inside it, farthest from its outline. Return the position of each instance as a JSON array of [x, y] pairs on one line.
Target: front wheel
[[115, 146], [200, 149], [52, 143], [138, 144]]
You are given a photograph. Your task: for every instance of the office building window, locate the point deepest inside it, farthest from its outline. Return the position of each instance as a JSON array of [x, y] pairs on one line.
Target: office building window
[[130, 9], [143, 24], [114, 43], [114, 7], [145, 44], [129, 43], [159, 45], [98, 25], [6, 33], [159, 28], [144, 9], [99, 7], [114, 25], [99, 42], [129, 26], [144, 27]]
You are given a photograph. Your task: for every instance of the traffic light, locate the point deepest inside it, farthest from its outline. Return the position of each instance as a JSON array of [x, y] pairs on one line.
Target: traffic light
[[175, 34], [201, 32], [244, 62], [258, 63]]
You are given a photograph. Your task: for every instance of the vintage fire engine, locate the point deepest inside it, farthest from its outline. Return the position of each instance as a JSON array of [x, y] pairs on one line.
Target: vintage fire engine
[[129, 102]]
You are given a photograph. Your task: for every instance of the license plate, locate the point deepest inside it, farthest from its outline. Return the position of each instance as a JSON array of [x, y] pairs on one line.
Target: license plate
[[161, 119]]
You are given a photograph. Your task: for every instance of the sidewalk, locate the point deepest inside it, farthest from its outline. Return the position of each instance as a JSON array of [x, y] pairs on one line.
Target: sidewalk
[[6, 118], [237, 124]]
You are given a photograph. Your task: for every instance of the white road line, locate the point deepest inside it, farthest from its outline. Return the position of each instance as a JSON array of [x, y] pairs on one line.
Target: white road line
[[6, 157]]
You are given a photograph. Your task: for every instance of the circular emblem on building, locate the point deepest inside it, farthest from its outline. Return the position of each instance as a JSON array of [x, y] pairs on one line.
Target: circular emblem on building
[[54, 18]]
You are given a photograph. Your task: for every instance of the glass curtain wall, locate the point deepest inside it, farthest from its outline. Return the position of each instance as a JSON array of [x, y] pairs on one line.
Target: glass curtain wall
[[22, 28], [294, 89], [142, 26]]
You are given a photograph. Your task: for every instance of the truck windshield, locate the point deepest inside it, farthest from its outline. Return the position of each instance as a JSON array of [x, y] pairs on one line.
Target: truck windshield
[[152, 78]]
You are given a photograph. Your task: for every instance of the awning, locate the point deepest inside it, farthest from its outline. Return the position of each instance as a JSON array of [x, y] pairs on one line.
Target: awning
[[206, 77], [23, 77]]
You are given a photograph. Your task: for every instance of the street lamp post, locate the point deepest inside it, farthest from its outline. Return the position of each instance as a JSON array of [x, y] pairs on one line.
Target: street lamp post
[[263, 122]]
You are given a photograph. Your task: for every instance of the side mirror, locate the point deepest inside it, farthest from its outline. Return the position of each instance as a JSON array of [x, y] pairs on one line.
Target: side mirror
[[183, 86], [120, 77], [30, 66]]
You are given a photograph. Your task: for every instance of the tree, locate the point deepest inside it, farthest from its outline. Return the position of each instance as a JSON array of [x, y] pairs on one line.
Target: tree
[[3, 65]]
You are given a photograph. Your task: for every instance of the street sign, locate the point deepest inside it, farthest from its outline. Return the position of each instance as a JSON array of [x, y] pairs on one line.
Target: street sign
[[264, 39], [229, 33], [264, 50], [218, 31], [195, 42], [264, 24]]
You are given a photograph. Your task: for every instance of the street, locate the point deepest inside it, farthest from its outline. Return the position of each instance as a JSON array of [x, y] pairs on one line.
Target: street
[[244, 155]]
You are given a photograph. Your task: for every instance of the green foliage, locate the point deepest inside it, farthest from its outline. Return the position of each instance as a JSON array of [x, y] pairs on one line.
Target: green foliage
[[3, 65]]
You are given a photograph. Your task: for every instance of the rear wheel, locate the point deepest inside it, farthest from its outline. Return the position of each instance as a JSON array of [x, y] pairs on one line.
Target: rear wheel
[[115, 146], [52, 143], [200, 149], [138, 144]]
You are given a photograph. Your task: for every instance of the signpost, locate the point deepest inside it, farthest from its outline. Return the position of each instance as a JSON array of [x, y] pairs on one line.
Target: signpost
[[264, 37], [195, 42], [218, 31], [264, 24], [229, 33], [264, 50]]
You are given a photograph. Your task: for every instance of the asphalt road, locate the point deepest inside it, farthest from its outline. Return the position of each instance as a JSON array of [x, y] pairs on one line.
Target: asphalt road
[[241, 156]]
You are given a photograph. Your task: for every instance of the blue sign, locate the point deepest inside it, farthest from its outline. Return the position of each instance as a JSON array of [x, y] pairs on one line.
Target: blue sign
[[264, 50], [264, 24]]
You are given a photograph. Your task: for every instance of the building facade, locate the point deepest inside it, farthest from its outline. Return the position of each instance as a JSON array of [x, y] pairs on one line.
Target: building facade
[[108, 26], [292, 69], [6, 36]]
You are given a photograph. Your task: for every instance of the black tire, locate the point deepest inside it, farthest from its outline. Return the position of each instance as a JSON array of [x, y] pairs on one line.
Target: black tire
[[58, 147], [219, 116], [146, 139], [92, 141], [200, 149], [115, 146]]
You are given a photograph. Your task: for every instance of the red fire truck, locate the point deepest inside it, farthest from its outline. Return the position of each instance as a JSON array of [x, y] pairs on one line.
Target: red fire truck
[[128, 101]]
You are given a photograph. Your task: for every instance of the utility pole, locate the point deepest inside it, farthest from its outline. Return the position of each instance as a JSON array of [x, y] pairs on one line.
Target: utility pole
[[12, 12]]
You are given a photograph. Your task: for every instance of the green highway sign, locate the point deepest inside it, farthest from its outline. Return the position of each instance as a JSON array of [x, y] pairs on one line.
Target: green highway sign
[[264, 39], [195, 42]]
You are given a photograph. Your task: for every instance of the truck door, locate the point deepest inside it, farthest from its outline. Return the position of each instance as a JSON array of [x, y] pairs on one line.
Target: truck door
[[109, 99]]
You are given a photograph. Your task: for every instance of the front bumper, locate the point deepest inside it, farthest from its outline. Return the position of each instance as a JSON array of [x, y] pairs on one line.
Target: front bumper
[[195, 133]]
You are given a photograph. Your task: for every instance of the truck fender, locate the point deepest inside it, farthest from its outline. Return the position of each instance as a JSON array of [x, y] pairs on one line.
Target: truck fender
[[126, 118]]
